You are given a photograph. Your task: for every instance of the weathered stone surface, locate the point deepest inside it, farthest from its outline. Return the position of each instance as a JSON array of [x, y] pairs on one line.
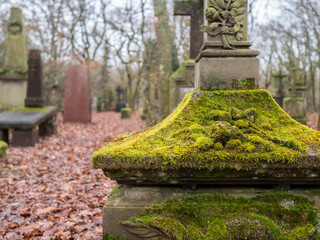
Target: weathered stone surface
[[3, 149], [13, 84], [35, 86], [76, 96], [294, 106], [25, 122], [25, 138], [181, 83], [222, 73], [15, 62], [125, 113], [128, 201], [12, 94]]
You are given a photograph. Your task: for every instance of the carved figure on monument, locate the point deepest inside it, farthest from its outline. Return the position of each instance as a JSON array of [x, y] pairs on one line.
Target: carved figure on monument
[[226, 18]]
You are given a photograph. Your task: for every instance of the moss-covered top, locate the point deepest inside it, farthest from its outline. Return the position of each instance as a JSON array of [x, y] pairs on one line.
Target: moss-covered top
[[28, 110], [214, 129]]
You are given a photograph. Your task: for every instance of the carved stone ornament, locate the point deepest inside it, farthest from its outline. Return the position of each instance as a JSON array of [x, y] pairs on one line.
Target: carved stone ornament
[[15, 28], [143, 232], [225, 17]]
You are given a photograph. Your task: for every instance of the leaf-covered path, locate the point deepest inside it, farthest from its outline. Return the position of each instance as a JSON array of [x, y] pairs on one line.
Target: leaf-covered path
[[50, 191]]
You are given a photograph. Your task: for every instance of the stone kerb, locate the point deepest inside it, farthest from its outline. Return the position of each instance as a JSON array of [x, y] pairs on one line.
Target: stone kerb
[[76, 96]]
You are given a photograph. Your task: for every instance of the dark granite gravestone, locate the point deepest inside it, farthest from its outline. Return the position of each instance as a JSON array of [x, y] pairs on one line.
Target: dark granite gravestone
[[35, 87], [121, 103], [76, 96], [280, 93], [194, 9]]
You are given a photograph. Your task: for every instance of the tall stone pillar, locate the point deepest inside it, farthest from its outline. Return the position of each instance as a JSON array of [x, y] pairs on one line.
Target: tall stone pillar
[[225, 61], [13, 77]]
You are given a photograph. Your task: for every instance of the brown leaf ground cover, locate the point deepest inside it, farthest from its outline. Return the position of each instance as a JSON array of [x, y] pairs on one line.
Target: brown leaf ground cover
[[50, 191]]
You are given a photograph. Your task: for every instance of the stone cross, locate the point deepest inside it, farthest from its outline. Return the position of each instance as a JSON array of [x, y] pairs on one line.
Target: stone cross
[[194, 9], [280, 94], [294, 81], [35, 85]]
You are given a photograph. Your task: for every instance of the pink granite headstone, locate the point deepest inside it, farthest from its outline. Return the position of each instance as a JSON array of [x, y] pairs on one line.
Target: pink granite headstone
[[77, 96]]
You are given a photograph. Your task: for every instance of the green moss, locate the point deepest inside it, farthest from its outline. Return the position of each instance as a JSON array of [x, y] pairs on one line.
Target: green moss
[[109, 237], [271, 215], [3, 149], [195, 136], [28, 110]]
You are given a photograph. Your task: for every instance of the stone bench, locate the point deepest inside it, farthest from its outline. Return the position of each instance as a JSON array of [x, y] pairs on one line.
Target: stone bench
[[27, 125]]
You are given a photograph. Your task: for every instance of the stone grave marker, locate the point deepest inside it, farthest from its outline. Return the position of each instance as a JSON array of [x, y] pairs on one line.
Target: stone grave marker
[[294, 104], [121, 103], [194, 9], [35, 85], [13, 77], [76, 106], [280, 93], [182, 81], [216, 149]]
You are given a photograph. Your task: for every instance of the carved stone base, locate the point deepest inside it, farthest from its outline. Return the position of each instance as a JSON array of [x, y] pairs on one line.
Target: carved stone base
[[128, 201], [223, 73]]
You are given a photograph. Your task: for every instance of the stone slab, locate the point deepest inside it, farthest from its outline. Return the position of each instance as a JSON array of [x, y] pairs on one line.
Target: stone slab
[[127, 201], [222, 73], [25, 120], [25, 138], [12, 93], [76, 96]]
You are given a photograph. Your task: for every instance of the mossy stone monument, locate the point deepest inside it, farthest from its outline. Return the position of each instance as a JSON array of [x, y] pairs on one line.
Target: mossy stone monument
[[3, 149], [13, 75], [199, 173]]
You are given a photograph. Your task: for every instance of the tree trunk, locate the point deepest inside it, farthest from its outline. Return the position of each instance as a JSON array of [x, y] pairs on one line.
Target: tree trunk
[[164, 56]]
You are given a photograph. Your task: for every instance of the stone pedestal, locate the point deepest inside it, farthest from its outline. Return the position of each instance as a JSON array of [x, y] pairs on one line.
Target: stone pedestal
[[129, 201], [25, 138], [294, 106], [223, 73], [12, 93]]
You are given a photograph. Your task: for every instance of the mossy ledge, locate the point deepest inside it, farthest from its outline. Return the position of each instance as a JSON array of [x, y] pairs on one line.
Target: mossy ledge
[[270, 215], [216, 130]]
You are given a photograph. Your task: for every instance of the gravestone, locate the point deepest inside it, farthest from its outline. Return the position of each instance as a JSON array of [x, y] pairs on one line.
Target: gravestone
[[121, 103], [125, 113], [182, 81], [76, 106], [294, 104], [232, 142], [35, 86], [13, 78], [194, 9], [280, 93]]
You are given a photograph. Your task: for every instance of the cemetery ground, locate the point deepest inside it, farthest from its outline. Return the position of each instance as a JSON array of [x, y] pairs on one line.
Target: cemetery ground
[[50, 191]]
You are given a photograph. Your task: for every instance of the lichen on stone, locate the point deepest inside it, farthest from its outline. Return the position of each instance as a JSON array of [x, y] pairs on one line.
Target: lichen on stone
[[214, 130]]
